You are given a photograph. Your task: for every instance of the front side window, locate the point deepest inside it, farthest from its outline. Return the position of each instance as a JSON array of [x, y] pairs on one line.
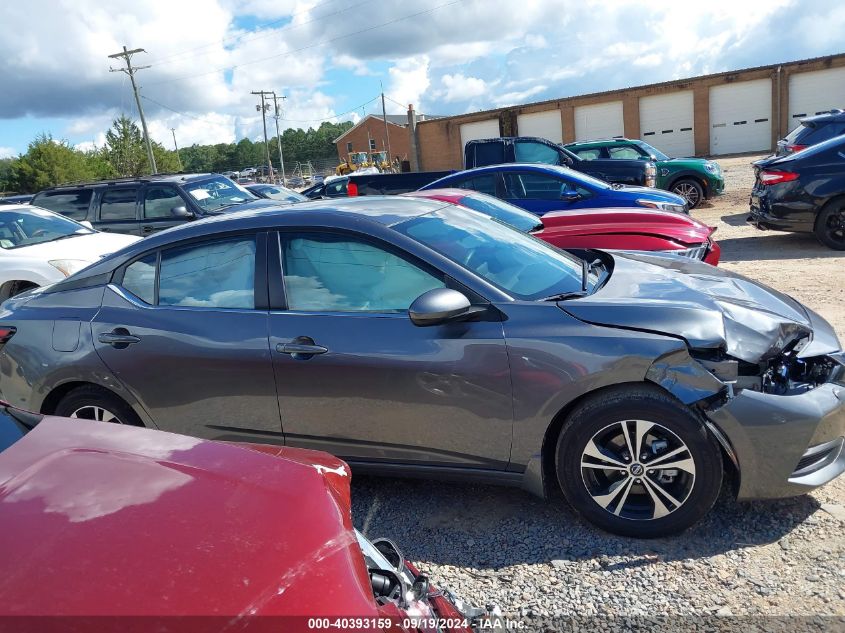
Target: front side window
[[339, 273], [530, 186], [589, 154], [533, 152], [159, 202], [218, 274], [72, 203], [118, 204], [623, 153], [521, 265]]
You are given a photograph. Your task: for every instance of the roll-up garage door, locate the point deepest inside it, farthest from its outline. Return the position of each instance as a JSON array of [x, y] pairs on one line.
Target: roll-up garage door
[[741, 117], [666, 123], [479, 129], [601, 120], [543, 124], [815, 92]]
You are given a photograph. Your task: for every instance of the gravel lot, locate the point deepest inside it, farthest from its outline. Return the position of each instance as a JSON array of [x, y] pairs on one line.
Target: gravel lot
[[499, 545]]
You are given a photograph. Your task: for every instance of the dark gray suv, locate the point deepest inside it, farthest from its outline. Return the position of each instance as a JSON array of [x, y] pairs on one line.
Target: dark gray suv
[[415, 337], [141, 206]]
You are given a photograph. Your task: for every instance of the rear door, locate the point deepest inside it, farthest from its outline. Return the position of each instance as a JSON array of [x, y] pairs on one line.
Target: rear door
[[158, 202], [184, 329], [118, 210]]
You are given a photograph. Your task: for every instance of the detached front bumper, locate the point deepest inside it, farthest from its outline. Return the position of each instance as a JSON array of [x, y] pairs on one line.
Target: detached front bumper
[[785, 445]]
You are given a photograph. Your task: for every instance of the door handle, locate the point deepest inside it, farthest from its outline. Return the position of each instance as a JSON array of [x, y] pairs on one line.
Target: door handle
[[301, 348], [147, 229], [120, 338]]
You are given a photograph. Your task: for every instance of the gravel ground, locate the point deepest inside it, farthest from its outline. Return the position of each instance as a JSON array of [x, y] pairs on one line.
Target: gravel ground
[[502, 546]]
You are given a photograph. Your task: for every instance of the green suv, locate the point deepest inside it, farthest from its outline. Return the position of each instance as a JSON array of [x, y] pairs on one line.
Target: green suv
[[695, 179]]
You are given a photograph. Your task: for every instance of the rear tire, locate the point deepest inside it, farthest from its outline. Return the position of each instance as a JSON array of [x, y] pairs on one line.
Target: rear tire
[[633, 495], [830, 226], [90, 402], [690, 190]]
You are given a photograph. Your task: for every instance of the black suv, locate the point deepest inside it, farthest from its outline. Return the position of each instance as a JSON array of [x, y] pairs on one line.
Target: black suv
[[140, 206], [812, 130]]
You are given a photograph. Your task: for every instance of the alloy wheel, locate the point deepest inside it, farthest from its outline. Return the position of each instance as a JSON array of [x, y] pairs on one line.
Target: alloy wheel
[[98, 414], [688, 191], [637, 470]]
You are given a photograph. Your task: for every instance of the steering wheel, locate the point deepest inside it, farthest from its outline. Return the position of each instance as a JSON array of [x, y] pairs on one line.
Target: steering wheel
[[39, 232]]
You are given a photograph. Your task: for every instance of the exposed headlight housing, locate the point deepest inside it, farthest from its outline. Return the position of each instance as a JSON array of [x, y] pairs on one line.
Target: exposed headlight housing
[[663, 206], [68, 266], [695, 252], [712, 168]]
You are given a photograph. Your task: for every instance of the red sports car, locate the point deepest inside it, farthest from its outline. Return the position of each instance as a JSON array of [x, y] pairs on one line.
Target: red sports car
[[627, 229], [148, 527]]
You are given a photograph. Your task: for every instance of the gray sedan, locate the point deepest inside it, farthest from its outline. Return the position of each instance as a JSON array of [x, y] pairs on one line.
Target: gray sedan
[[416, 338]]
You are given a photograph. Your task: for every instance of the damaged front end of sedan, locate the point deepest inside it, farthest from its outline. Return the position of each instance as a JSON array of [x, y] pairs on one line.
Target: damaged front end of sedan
[[766, 373]]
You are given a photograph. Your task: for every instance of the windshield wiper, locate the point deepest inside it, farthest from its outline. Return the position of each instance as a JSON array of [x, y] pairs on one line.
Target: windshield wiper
[[563, 296]]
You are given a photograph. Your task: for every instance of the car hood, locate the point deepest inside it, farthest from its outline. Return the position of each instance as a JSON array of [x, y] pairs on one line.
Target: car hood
[[709, 307], [143, 522], [693, 163], [87, 248], [676, 226]]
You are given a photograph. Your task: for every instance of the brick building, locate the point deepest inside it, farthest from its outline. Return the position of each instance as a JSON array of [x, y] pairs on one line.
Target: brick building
[[368, 135], [725, 113]]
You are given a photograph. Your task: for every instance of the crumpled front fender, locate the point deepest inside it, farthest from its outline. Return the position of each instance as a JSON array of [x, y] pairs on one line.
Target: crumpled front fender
[[684, 377]]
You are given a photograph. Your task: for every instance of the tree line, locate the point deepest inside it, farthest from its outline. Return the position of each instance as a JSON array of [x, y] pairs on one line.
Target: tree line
[[49, 161]]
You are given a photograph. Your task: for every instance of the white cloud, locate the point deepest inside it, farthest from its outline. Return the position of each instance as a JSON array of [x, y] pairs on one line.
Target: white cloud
[[461, 88], [8, 152], [409, 81]]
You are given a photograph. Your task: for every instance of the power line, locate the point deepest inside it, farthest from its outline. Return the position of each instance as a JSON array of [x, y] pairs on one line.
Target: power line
[[255, 29], [310, 46]]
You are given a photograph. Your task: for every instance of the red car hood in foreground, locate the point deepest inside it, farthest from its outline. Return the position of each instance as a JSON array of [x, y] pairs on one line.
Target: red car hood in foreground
[[630, 229], [104, 519]]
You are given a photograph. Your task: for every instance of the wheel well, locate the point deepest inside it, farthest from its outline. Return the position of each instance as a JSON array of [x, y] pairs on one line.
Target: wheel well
[[548, 450], [15, 286], [701, 181], [834, 200], [48, 407]]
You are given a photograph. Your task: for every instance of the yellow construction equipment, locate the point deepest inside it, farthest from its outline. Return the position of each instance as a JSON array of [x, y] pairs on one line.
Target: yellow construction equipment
[[354, 162]]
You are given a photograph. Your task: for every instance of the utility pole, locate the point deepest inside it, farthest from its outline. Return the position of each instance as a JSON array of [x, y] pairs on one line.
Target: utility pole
[[263, 107], [176, 147], [279, 138], [126, 55], [386, 131]]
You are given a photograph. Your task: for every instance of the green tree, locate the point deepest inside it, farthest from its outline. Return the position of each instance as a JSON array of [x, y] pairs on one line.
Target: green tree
[[126, 151], [49, 162]]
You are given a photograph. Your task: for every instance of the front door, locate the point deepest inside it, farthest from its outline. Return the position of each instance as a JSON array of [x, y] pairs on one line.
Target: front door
[[541, 193], [193, 348], [357, 378], [157, 208]]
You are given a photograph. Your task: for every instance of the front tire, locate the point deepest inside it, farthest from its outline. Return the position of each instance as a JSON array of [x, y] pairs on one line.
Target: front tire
[[636, 462], [90, 402], [689, 189], [830, 226]]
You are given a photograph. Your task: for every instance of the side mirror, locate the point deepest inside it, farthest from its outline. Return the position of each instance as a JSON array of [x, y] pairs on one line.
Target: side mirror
[[437, 306], [570, 196], [391, 552], [182, 213]]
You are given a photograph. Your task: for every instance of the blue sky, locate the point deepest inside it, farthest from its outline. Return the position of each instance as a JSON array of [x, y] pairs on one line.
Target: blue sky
[[331, 56]]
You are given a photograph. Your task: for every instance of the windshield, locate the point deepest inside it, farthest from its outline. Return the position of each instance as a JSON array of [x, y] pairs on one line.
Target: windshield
[[282, 194], [213, 194], [27, 227], [520, 265], [520, 219], [653, 151]]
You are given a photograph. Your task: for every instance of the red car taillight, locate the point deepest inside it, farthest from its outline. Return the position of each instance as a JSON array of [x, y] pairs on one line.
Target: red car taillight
[[351, 189], [796, 148], [6, 332], [773, 177]]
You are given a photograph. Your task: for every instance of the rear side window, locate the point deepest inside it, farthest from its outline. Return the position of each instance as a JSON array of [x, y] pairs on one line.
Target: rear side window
[[623, 153], [588, 154], [218, 274], [533, 152], [482, 184], [71, 203], [118, 204], [140, 278]]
